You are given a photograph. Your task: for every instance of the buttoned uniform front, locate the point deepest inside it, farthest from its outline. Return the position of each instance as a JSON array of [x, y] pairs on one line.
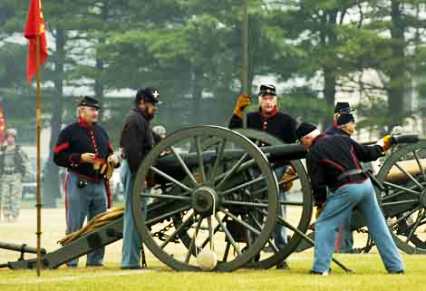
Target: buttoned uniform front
[[136, 140], [87, 192], [328, 159], [282, 126]]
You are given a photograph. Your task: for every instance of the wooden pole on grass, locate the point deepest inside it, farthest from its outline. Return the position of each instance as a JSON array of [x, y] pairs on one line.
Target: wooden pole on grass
[[38, 162], [244, 54]]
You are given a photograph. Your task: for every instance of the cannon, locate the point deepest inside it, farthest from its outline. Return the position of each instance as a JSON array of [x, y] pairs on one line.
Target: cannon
[[209, 187]]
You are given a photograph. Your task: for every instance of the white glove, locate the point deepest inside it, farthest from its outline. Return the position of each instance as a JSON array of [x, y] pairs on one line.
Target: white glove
[[114, 159]]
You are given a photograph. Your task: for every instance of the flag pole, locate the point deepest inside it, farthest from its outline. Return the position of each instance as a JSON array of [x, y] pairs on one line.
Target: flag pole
[[244, 53], [38, 167]]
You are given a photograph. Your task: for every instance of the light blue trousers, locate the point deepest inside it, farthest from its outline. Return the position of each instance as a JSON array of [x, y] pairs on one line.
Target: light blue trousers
[[84, 202], [131, 250], [338, 210]]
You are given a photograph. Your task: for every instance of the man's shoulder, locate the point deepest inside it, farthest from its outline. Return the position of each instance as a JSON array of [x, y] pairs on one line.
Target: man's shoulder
[[284, 115], [134, 116], [70, 127]]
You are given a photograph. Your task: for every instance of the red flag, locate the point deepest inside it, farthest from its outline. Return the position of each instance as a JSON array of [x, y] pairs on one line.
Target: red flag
[[2, 123], [35, 28]]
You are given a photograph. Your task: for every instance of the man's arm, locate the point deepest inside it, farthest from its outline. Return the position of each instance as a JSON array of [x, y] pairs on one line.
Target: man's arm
[[132, 143], [367, 153], [316, 173], [62, 154], [235, 122]]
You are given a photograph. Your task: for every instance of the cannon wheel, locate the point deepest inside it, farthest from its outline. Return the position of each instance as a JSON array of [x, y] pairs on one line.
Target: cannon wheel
[[403, 202], [303, 207], [209, 204]]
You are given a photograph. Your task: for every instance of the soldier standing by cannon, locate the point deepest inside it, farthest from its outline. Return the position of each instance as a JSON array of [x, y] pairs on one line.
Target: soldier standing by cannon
[[334, 162], [281, 125], [14, 165], [343, 123], [135, 142], [84, 148]]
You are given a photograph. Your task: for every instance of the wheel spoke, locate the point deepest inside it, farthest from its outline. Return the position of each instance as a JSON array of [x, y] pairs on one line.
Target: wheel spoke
[[244, 203], [215, 230], [216, 164], [244, 185], [242, 222], [395, 194], [232, 170], [171, 179], [178, 230], [409, 175], [228, 234], [259, 226], [226, 253], [177, 197], [192, 244], [184, 166], [200, 158], [400, 202], [404, 216], [264, 189], [408, 190], [286, 203], [167, 215], [420, 216], [209, 223], [419, 164]]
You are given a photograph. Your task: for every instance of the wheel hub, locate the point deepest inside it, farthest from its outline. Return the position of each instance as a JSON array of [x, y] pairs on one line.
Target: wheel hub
[[204, 200]]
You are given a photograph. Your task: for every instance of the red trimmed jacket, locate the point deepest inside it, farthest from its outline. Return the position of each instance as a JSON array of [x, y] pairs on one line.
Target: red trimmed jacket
[[76, 139]]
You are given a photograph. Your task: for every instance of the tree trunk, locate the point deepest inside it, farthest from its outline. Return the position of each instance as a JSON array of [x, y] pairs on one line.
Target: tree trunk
[[197, 90], [329, 38], [51, 175], [397, 70]]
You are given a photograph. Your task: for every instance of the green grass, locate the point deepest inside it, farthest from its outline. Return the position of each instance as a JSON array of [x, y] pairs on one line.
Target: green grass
[[369, 275]]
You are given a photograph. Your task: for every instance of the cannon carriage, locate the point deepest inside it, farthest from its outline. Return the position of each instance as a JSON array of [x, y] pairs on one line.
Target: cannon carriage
[[211, 188]]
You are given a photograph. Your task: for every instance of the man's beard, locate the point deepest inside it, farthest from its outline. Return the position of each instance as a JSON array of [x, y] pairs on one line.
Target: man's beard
[[148, 115]]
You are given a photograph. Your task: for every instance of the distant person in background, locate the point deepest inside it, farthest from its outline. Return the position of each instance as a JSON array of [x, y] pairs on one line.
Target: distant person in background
[[14, 165]]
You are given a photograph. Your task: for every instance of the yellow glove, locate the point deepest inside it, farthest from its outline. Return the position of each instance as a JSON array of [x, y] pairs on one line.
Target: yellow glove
[[287, 179], [242, 102], [385, 142]]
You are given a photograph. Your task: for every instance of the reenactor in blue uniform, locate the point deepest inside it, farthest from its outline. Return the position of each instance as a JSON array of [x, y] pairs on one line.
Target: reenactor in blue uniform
[[84, 148], [339, 109], [135, 142], [333, 162], [344, 124]]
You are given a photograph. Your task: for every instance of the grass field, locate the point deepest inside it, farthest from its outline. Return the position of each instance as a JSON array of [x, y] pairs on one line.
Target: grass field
[[369, 273]]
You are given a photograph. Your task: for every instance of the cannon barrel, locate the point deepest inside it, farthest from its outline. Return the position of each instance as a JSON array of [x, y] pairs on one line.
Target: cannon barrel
[[284, 152], [20, 248]]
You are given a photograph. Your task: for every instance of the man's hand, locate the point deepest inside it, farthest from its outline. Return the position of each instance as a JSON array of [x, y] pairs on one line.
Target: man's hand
[[287, 179], [88, 158], [113, 159], [385, 143], [242, 102]]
